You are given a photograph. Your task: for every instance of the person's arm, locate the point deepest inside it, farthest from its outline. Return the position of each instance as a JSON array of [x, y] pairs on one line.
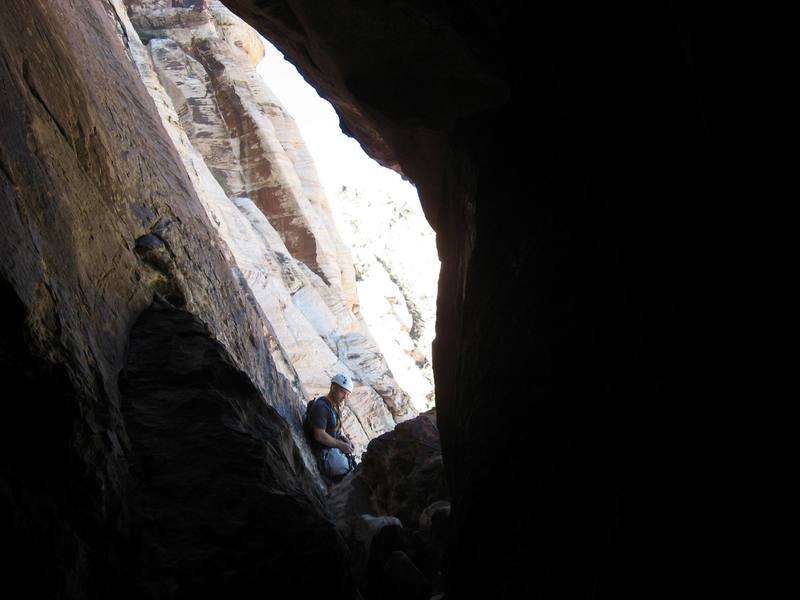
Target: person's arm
[[326, 439]]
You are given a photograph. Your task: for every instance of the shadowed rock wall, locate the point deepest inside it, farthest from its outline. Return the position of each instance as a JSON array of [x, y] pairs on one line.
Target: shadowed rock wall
[[220, 502], [100, 222], [563, 155]]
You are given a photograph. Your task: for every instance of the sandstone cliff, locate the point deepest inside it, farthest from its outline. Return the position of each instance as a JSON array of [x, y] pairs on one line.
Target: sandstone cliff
[[394, 253], [258, 184]]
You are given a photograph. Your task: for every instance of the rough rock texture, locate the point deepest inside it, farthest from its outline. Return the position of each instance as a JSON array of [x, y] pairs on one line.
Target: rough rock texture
[[257, 182], [99, 221], [564, 157], [396, 501], [210, 461], [393, 248], [400, 475], [566, 327]]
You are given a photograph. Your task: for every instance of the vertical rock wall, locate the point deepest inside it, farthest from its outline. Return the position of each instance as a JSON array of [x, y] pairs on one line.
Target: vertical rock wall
[[567, 325], [133, 344], [258, 183], [564, 155], [394, 253]]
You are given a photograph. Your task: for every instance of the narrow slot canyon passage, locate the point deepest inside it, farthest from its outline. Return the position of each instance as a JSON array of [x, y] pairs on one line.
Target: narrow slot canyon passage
[[182, 272], [340, 260], [216, 470], [281, 183]]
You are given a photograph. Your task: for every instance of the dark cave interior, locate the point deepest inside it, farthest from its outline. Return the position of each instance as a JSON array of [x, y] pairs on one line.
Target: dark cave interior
[[565, 157]]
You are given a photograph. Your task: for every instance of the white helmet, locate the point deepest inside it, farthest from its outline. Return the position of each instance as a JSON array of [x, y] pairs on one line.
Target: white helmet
[[343, 381]]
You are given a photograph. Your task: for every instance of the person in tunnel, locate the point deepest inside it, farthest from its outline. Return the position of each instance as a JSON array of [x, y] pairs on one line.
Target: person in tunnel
[[331, 447]]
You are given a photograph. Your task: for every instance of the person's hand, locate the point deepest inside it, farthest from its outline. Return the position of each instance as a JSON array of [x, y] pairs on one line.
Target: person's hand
[[346, 447]]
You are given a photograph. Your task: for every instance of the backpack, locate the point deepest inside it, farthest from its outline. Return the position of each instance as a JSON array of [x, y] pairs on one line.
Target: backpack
[[306, 419], [306, 423]]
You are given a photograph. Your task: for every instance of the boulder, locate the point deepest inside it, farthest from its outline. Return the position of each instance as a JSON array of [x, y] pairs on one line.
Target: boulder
[[401, 480], [403, 580], [400, 475]]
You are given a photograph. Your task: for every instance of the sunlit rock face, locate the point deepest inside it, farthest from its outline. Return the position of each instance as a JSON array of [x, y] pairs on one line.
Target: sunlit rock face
[[258, 184], [394, 253]]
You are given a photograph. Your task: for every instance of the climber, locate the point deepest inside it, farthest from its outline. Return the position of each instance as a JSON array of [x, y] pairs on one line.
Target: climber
[[331, 447]]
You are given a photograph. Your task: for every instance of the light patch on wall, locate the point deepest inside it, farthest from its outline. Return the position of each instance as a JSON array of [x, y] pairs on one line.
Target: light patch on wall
[[379, 216]]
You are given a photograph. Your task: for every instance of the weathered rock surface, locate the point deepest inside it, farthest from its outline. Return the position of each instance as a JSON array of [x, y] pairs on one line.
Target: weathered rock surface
[[567, 294], [571, 279], [99, 224], [393, 510], [258, 184], [400, 475], [365, 527], [393, 249], [220, 503]]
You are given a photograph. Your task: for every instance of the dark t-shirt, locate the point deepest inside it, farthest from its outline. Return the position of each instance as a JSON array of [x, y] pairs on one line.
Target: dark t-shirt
[[322, 416]]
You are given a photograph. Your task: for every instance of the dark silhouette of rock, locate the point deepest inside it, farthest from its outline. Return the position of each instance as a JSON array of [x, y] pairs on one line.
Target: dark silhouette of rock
[[431, 539], [402, 580], [568, 160], [189, 482], [572, 276], [428, 555], [434, 515], [400, 475], [391, 538], [364, 530], [220, 500]]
